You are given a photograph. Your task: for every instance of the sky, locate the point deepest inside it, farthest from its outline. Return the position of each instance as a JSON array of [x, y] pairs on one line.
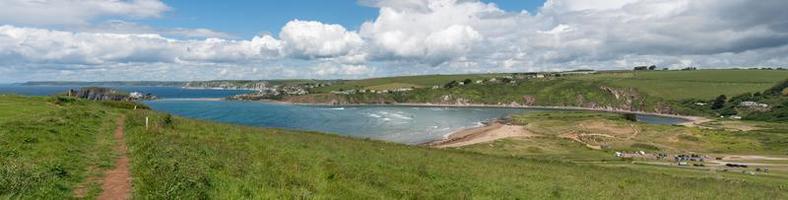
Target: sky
[[125, 40]]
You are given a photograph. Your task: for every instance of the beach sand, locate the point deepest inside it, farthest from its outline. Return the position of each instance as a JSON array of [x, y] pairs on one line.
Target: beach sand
[[491, 132]]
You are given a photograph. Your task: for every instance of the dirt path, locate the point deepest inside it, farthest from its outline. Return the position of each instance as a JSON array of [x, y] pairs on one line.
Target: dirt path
[[117, 182], [635, 132]]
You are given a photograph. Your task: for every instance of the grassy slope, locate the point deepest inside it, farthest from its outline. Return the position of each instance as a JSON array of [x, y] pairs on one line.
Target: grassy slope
[[46, 149], [196, 159], [699, 84], [407, 81], [191, 159], [655, 91]]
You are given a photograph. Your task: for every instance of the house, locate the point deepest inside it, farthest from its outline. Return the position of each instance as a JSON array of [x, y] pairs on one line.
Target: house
[[136, 95], [753, 104]]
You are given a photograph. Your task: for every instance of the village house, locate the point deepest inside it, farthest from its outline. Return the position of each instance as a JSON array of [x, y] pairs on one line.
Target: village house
[[753, 104]]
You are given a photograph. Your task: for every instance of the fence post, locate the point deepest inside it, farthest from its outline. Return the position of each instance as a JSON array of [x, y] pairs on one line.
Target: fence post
[[146, 123]]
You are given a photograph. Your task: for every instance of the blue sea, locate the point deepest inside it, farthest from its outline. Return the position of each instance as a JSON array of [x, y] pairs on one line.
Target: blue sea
[[402, 124]]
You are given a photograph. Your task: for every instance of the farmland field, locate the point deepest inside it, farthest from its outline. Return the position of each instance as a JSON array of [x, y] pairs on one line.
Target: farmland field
[[697, 84]]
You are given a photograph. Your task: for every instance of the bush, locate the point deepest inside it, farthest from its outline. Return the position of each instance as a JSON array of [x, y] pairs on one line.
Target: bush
[[125, 105], [168, 121], [719, 102], [630, 117], [644, 146], [63, 100]]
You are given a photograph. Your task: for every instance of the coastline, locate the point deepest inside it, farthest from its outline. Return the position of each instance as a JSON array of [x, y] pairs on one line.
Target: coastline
[[495, 129], [492, 129], [691, 120]]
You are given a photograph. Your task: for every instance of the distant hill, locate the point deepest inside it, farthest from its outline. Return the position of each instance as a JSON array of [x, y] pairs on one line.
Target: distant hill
[[107, 83]]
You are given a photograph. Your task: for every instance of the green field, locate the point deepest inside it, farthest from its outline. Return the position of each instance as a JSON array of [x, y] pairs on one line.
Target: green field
[[407, 81], [49, 147], [46, 149], [674, 92], [698, 84], [670, 85]]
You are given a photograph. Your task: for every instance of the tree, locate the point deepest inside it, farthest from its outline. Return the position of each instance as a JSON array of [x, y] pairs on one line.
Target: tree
[[641, 68], [652, 67], [719, 102], [467, 81]]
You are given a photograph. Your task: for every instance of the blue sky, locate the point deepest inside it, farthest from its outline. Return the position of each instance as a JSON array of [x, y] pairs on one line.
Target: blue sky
[[247, 18], [105, 40]]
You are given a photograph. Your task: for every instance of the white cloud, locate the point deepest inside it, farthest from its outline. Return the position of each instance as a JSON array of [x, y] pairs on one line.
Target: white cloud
[[432, 31], [32, 45], [311, 39], [420, 36], [125, 27], [341, 70], [58, 12], [586, 5]]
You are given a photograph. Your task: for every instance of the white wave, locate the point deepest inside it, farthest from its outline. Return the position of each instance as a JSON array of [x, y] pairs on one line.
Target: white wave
[[400, 116]]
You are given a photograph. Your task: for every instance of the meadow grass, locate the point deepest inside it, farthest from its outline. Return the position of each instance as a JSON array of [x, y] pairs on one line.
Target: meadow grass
[[197, 159], [697, 84], [47, 149]]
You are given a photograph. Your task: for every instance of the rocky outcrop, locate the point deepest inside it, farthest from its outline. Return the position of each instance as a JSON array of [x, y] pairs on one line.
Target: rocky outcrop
[[529, 100], [106, 94]]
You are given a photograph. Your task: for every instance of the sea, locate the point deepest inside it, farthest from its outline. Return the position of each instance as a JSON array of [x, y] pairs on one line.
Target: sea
[[400, 124]]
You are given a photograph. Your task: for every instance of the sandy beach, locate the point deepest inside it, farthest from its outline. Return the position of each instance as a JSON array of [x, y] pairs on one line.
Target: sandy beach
[[490, 132]]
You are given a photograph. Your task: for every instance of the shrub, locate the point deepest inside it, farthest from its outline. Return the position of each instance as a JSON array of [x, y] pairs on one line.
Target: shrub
[[63, 100], [125, 105], [645, 146], [630, 117], [719, 102]]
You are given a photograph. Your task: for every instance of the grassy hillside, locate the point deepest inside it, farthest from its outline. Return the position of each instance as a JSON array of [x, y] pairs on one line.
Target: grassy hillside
[[47, 149], [226, 161], [651, 91], [399, 81], [697, 84]]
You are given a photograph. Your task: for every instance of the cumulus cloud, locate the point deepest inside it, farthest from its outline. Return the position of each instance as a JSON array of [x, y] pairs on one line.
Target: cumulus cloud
[[58, 12], [566, 34], [126, 27], [312, 39], [33, 45], [420, 36], [342, 70]]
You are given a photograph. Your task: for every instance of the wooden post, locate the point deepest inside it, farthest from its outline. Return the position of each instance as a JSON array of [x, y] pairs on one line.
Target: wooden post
[[146, 123]]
